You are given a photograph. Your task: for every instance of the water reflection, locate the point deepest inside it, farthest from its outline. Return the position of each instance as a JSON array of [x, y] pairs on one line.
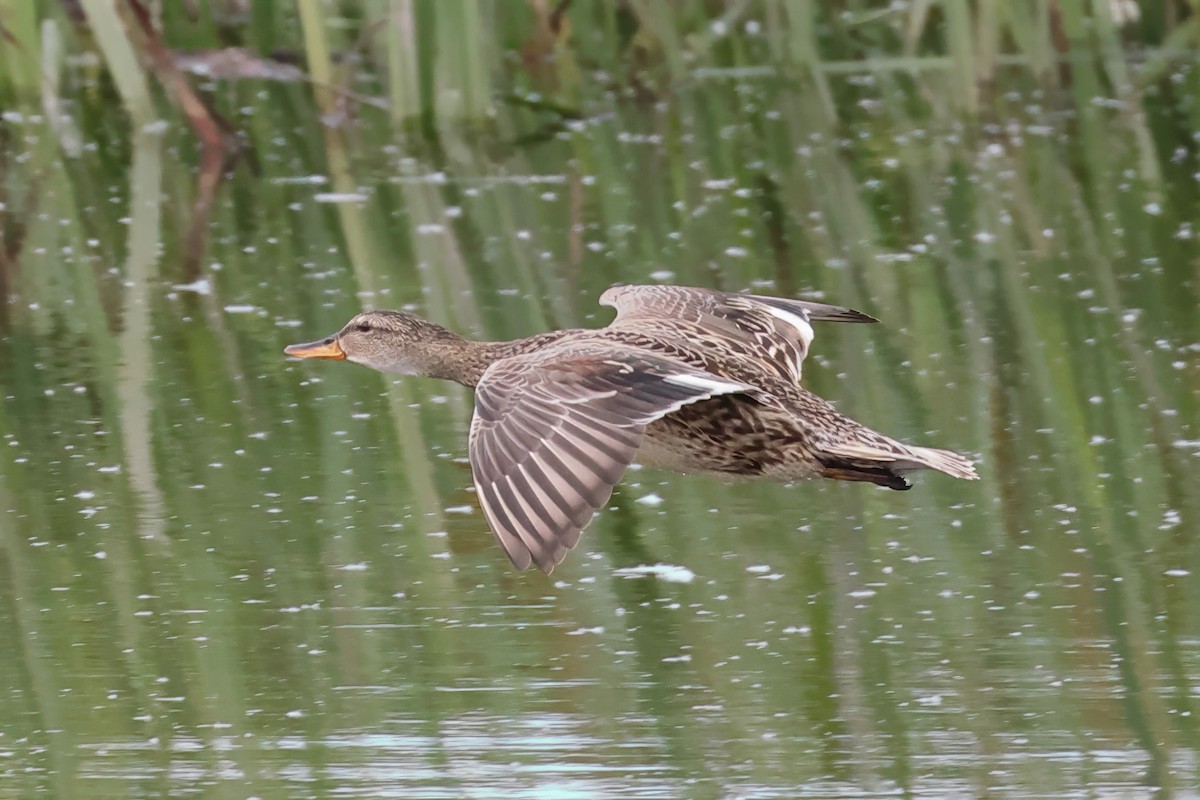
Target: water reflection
[[228, 573]]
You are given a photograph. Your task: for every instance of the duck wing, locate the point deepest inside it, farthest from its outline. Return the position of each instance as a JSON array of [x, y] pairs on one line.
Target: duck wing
[[775, 330], [554, 430]]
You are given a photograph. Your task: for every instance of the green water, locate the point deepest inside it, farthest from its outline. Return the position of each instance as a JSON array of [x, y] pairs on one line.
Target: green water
[[228, 574]]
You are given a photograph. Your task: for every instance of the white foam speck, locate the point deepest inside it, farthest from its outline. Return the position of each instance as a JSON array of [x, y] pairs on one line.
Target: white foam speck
[[339, 197], [199, 286], [315, 180], [582, 631], [671, 573]]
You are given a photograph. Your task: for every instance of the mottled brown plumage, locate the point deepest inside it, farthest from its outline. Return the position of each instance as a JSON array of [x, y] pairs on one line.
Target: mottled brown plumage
[[686, 379]]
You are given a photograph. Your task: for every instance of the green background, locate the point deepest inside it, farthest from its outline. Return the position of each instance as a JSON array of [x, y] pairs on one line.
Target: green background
[[224, 574]]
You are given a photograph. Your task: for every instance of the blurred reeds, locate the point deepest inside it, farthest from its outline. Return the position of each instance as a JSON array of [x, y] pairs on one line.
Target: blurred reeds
[[1011, 182]]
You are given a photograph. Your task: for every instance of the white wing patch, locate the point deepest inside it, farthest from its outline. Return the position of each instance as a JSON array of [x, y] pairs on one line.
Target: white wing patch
[[795, 320], [800, 324], [715, 385]]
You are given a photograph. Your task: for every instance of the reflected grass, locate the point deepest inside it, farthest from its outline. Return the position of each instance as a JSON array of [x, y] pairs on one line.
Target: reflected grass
[[947, 169]]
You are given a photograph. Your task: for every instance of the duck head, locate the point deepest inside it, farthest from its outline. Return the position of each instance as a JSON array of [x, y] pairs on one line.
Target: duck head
[[389, 341]]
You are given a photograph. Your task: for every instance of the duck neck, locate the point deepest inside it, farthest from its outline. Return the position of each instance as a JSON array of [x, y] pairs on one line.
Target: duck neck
[[464, 360]]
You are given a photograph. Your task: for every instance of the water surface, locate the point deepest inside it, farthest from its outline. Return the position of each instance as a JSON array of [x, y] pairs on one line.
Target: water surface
[[230, 574]]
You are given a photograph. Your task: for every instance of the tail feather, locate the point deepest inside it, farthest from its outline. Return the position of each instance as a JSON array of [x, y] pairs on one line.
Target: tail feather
[[945, 461], [814, 310], [887, 466], [880, 476]]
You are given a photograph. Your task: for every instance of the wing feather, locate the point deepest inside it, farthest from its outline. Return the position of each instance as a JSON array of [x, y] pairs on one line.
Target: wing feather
[[554, 431], [775, 331], [634, 301]]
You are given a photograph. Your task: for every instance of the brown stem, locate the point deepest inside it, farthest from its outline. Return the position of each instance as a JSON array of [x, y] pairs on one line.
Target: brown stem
[[218, 144]]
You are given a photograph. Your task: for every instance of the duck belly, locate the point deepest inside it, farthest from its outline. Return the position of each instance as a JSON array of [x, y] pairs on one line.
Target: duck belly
[[709, 438], [692, 457], [726, 437]]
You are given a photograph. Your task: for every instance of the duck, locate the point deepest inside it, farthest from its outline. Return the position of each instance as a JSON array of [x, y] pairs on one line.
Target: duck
[[684, 378]]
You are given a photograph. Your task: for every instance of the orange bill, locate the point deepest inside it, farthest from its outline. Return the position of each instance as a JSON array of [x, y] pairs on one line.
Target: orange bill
[[322, 348]]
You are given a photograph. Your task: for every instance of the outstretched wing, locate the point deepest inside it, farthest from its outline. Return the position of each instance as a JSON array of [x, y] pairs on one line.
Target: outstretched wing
[[778, 330], [634, 302], [554, 430]]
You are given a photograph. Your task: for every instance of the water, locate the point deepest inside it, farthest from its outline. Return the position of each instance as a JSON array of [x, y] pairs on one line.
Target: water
[[229, 574]]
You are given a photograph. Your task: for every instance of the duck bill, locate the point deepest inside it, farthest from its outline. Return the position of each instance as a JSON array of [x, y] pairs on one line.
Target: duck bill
[[323, 348]]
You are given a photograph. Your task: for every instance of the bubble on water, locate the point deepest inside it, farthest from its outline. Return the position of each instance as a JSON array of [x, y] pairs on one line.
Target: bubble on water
[[312, 180], [671, 573], [339, 197], [582, 631]]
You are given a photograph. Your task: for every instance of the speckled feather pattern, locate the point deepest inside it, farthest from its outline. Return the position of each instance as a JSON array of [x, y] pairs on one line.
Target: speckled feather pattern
[[686, 379]]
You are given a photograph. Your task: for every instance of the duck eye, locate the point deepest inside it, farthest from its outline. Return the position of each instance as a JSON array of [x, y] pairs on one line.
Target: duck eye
[[364, 327]]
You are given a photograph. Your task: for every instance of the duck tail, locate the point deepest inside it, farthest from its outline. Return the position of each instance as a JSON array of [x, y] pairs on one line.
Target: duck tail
[[945, 461], [886, 462]]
